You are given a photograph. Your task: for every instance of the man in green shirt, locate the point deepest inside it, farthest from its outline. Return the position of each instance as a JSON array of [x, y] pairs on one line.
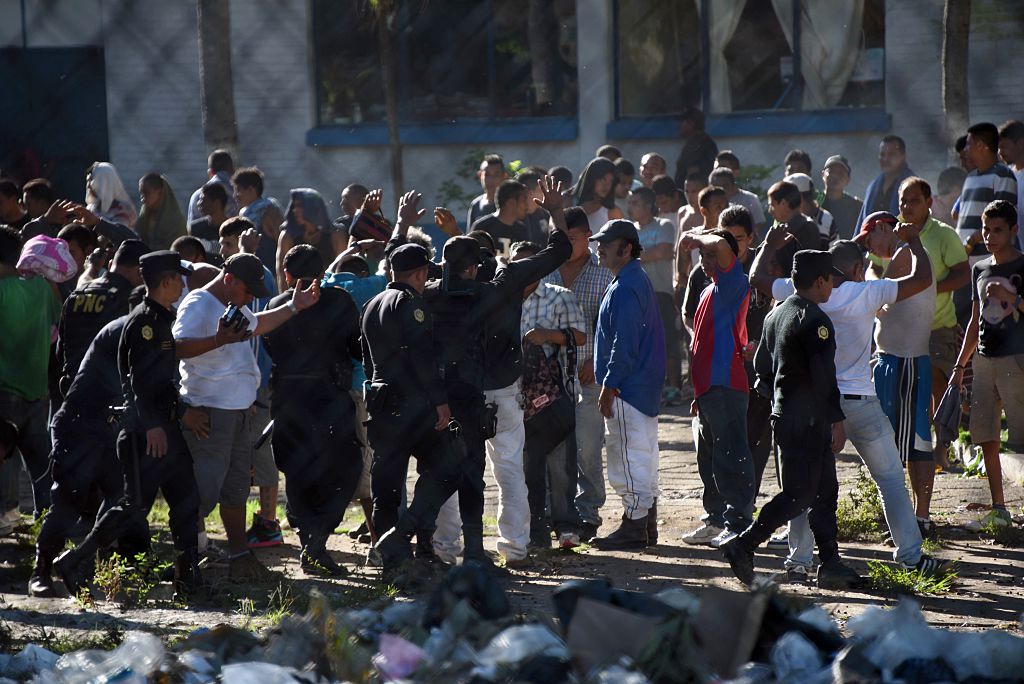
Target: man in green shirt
[[951, 270], [28, 310]]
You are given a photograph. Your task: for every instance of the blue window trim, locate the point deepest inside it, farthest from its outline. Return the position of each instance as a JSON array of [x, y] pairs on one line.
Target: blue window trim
[[853, 120], [537, 129]]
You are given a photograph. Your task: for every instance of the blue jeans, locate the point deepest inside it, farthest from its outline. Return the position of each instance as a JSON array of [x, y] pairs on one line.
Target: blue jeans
[[723, 458], [589, 444], [871, 433]]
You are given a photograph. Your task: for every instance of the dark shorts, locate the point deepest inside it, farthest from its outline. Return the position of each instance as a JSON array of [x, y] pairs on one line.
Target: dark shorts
[[671, 322]]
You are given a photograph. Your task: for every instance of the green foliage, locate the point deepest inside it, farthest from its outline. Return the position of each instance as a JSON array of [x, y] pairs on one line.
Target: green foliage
[[1003, 532], [885, 577], [129, 582], [756, 178], [452, 193], [931, 546], [859, 515]]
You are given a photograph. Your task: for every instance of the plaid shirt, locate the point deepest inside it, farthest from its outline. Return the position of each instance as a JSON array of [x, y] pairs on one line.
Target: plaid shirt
[[589, 288], [554, 308]]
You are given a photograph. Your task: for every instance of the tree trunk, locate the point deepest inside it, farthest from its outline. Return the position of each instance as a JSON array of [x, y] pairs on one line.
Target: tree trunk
[[956, 26], [386, 20], [220, 130]]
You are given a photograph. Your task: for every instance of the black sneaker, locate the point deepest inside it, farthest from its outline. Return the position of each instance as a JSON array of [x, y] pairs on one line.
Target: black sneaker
[[797, 575], [836, 575], [587, 532], [740, 560], [927, 528], [41, 586]]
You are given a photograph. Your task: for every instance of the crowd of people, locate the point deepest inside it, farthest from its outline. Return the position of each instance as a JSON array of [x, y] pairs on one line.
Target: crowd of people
[[201, 354]]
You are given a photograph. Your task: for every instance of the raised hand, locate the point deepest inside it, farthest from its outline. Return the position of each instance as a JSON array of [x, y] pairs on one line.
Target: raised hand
[[248, 241], [57, 214], [305, 298], [408, 208], [372, 202], [445, 221], [907, 231], [552, 200], [777, 237], [83, 215]]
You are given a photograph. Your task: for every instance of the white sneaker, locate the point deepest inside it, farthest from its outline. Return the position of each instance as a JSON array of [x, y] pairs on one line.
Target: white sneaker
[[723, 537], [568, 540], [702, 535], [780, 540], [373, 559], [447, 556]]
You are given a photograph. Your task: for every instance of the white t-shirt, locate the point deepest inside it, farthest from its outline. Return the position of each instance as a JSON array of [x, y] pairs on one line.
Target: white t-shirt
[[904, 328], [852, 308], [225, 378]]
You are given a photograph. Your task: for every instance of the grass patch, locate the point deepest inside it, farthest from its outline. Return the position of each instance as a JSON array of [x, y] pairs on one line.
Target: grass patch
[[859, 515], [106, 640], [129, 582], [931, 546], [1006, 534], [885, 577]]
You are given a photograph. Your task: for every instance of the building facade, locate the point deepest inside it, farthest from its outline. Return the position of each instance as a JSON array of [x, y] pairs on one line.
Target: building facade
[[542, 81]]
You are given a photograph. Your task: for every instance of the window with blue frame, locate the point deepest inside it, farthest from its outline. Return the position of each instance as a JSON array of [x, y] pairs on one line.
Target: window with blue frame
[[735, 56], [457, 60]]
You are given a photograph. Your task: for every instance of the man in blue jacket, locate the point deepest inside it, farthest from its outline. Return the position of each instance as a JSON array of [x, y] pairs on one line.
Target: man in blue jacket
[[629, 364]]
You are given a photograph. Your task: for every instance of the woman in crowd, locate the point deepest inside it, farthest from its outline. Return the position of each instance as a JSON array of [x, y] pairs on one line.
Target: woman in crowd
[[106, 197], [306, 223], [160, 220]]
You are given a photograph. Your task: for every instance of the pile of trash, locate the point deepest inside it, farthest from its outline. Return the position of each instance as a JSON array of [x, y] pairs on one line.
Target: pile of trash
[[465, 632]]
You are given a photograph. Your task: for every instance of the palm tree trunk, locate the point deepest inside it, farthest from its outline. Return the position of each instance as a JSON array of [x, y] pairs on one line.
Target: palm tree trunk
[[956, 26], [220, 130]]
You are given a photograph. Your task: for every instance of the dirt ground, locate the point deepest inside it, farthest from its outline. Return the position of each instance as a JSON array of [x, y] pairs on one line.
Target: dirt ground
[[989, 592]]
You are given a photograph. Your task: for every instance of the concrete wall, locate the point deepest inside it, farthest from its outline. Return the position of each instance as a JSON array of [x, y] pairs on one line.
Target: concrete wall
[[155, 120]]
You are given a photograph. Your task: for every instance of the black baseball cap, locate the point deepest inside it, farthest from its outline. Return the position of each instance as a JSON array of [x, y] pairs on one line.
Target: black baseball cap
[[814, 263], [619, 229], [249, 269], [462, 251], [409, 257], [130, 251], [161, 261]]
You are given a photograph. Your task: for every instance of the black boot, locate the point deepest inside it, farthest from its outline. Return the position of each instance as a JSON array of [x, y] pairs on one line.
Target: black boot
[[835, 574], [187, 578], [741, 559], [652, 523], [632, 534], [40, 584], [76, 566], [316, 560]]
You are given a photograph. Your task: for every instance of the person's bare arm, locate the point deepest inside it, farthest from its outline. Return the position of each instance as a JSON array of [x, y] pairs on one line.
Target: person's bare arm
[[284, 243], [540, 336], [920, 276], [271, 222], [715, 244], [761, 278], [958, 276], [968, 347]]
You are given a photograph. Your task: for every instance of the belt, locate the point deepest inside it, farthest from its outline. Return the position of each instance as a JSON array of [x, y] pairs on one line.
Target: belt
[[856, 397]]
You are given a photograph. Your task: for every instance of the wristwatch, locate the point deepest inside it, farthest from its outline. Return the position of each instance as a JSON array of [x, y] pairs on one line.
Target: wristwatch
[[291, 307]]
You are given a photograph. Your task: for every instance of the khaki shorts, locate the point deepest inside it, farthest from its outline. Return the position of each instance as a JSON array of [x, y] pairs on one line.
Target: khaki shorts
[[363, 490], [998, 387], [264, 470], [223, 461], [944, 348]]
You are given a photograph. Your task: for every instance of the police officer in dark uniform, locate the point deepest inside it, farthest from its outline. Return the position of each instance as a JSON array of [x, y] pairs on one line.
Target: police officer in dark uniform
[[150, 447], [408, 408], [795, 365], [83, 459], [95, 304], [476, 326], [314, 440]]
